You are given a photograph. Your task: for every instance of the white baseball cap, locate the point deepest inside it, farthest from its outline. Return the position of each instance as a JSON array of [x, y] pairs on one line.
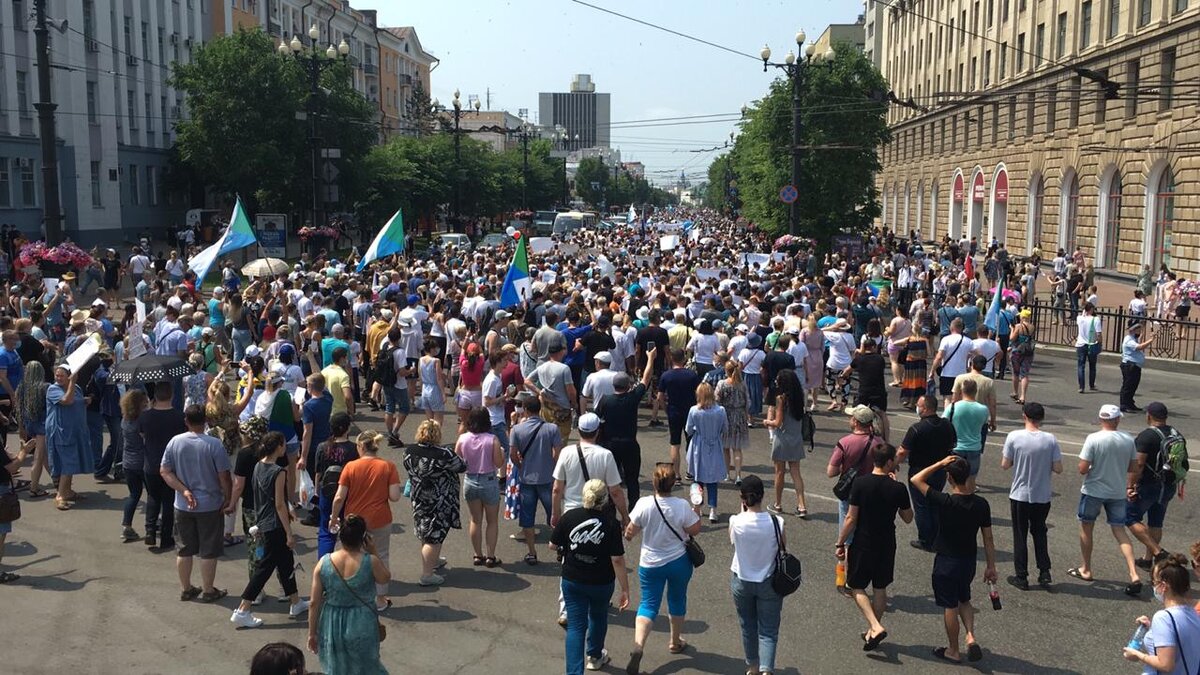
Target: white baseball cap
[[1108, 411], [589, 423]]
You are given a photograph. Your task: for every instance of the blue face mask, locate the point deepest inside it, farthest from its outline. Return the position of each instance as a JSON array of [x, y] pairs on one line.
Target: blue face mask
[[1158, 595]]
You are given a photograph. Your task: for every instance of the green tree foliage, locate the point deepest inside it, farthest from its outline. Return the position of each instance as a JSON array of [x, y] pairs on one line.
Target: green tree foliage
[[843, 122], [242, 133], [591, 171]]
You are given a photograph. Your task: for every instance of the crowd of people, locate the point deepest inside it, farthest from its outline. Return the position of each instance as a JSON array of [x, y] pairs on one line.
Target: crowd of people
[[719, 335]]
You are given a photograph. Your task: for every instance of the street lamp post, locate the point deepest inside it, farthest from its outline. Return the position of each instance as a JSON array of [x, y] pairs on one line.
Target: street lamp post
[[525, 133], [560, 138], [795, 70], [314, 60], [457, 110]]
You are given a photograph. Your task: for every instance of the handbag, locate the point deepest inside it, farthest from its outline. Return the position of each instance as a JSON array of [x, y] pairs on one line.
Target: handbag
[[10, 506], [788, 575], [841, 489], [695, 554], [382, 628]]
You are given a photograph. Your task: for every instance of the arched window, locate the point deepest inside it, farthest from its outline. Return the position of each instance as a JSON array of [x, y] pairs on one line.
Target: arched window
[[1112, 222], [1164, 220], [1037, 198]]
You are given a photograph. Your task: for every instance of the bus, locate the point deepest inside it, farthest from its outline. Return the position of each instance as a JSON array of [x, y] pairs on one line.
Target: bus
[[570, 221]]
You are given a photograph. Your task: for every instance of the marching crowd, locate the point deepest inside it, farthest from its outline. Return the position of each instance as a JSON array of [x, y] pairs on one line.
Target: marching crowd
[[536, 404]]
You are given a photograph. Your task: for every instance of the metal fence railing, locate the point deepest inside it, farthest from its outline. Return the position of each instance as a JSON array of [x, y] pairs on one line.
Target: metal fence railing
[[1173, 338]]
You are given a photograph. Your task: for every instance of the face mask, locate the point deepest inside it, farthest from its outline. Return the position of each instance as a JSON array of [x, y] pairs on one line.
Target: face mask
[[1158, 595]]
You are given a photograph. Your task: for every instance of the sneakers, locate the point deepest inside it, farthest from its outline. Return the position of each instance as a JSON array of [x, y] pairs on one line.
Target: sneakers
[[562, 619], [432, 580], [596, 663], [128, 534], [245, 619], [713, 517], [1018, 581], [1044, 579], [298, 609]]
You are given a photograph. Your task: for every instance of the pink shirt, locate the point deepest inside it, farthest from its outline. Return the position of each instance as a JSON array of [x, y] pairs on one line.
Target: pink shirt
[[476, 449]]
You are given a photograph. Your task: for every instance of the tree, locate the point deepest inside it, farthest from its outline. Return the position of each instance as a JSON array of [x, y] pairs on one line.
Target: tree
[[418, 108], [590, 180], [843, 122], [242, 134]]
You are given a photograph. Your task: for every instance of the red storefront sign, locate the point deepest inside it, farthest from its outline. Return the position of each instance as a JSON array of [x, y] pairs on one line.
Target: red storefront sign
[[1000, 187], [977, 188], [958, 188]]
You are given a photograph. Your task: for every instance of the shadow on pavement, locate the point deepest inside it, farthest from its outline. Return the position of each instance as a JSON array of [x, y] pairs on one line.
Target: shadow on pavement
[[427, 613], [55, 582], [991, 663]]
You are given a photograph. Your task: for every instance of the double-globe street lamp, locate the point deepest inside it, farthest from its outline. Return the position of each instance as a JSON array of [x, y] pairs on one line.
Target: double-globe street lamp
[[457, 110], [315, 61], [795, 70]]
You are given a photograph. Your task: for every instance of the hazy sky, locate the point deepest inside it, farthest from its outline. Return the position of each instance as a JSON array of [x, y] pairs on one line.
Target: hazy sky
[[517, 48]]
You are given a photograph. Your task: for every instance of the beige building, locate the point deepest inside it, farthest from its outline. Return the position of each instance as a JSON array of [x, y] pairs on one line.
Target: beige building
[[1047, 123], [837, 33]]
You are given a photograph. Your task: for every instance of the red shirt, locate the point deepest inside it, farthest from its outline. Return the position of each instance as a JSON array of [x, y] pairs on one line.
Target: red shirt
[[511, 375]]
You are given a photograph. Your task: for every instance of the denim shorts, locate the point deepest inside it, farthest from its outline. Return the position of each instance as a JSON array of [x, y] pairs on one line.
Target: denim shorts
[[484, 487], [1114, 510], [1151, 504], [974, 460], [395, 400]]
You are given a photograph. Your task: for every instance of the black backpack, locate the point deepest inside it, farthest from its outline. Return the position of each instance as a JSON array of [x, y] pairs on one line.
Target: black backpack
[[384, 368]]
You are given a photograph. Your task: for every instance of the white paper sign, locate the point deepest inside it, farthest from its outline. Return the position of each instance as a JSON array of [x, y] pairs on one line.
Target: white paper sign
[[139, 312], [51, 284], [568, 249], [540, 244], [704, 273], [643, 260], [300, 395], [137, 342], [606, 267], [752, 258], [668, 242], [86, 350]]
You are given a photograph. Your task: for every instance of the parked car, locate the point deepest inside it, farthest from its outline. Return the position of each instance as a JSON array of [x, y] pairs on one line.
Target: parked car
[[495, 240], [543, 222], [460, 241]]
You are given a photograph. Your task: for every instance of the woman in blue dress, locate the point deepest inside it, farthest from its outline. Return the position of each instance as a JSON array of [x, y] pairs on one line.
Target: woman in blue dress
[[66, 435], [342, 622], [706, 425]]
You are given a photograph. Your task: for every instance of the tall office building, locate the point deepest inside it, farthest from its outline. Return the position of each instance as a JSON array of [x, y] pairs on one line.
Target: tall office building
[[584, 113], [116, 110]]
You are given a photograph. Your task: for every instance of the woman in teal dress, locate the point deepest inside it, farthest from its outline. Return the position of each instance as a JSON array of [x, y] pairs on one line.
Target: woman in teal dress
[[66, 435], [342, 622]]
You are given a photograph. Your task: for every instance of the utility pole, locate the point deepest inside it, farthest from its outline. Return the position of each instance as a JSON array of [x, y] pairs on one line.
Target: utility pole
[[797, 121], [51, 213]]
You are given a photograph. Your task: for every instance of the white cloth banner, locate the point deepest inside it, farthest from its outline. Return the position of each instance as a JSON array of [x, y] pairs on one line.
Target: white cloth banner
[[751, 258], [779, 256], [668, 242], [540, 244], [703, 273]]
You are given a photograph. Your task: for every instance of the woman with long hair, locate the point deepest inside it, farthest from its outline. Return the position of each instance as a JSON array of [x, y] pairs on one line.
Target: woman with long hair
[[133, 456], [732, 396], [914, 349], [786, 422], [1021, 345], [705, 427], [471, 367], [337, 451], [814, 368], [897, 332], [31, 416], [433, 381], [343, 629], [433, 474], [484, 456]]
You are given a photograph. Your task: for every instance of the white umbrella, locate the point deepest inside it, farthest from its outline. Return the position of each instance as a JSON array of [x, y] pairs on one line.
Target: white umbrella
[[265, 267]]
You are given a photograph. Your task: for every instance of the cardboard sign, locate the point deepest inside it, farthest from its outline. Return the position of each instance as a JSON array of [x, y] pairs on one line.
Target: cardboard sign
[[540, 244], [86, 350], [668, 242], [137, 342]]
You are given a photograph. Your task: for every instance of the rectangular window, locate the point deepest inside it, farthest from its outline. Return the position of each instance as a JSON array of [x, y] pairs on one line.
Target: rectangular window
[[91, 102], [1030, 112], [1114, 18], [1060, 44], [152, 185], [89, 19], [135, 197], [128, 35], [1166, 79], [1021, 5], [1101, 102], [1073, 106], [19, 11], [1144, 8], [149, 116], [995, 122], [28, 183], [162, 51], [5, 184], [950, 38], [987, 67], [145, 41], [1052, 110], [971, 75], [1020, 53], [131, 102], [1003, 11], [1180, 6], [1039, 44], [975, 17], [954, 133], [96, 202], [23, 93], [1132, 72], [1085, 25], [962, 33], [1003, 61]]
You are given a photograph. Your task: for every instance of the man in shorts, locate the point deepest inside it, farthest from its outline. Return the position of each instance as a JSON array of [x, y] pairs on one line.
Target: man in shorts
[[1107, 458], [1151, 487], [554, 384], [534, 444], [677, 390], [875, 499], [951, 358], [961, 515], [196, 466]]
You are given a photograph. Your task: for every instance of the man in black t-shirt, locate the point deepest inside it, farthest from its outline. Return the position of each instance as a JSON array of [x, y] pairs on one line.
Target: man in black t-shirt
[[618, 414], [653, 335], [927, 442], [161, 422], [875, 499], [677, 390], [1154, 486], [872, 389], [961, 515]]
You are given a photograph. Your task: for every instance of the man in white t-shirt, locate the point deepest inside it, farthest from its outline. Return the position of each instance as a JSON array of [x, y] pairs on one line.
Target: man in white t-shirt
[[986, 347], [598, 383], [569, 476], [952, 357], [138, 262]]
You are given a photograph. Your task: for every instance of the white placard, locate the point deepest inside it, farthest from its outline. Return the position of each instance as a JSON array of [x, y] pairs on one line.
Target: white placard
[[86, 350], [703, 273], [641, 260], [750, 258], [779, 256], [549, 276], [51, 284], [540, 244], [300, 395], [137, 342], [568, 249], [668, 242], [606, 267], [139, 312]]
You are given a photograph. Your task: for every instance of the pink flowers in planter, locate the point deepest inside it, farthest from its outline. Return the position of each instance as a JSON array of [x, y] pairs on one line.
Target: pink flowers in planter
[[66, 254]]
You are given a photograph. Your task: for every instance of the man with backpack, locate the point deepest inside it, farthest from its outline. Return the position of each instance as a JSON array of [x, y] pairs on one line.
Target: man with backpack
[[1161, 470]]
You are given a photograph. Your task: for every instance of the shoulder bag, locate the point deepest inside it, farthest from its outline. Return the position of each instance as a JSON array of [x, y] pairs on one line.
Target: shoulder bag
[[694, 553], [841, 489], [370, 606], [954, 351], [787, 576], [10, 506]]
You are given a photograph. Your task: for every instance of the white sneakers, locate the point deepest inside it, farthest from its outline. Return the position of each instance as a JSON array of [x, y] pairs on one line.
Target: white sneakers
[[242, 619], [712, 516], [592, 663], [432, 580]]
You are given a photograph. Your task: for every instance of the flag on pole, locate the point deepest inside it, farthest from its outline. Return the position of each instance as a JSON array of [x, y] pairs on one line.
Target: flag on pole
[[238, 235], [992, 318], [516, 281], [389, 241], [631, 216]]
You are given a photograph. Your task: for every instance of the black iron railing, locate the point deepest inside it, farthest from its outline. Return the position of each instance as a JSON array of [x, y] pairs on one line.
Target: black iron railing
[[1173, 338]]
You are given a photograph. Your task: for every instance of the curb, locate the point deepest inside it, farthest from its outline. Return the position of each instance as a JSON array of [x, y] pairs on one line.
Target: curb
[[1114, 359]]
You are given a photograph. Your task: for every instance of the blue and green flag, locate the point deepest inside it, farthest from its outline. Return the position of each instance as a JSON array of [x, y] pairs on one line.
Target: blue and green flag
[[238, 235], [389, 241], [516, 281]]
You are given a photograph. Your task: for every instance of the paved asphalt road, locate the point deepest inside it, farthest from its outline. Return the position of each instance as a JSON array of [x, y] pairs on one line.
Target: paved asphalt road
[[87, 603]]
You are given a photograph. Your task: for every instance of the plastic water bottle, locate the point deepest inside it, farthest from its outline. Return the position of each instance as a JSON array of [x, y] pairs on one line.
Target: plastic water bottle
[[1139, 635], [259, 545], [697, 494], [994, 595], [840, 574]]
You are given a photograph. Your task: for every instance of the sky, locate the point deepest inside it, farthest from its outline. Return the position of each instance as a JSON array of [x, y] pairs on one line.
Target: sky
[[518, 48]]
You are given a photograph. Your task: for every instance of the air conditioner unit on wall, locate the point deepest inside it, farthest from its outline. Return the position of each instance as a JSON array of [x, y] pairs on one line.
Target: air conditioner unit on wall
[[92, 45], [131, 60]]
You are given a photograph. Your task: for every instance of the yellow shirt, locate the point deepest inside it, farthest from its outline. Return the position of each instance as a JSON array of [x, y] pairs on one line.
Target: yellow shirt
[[679, 335], [336, 381]]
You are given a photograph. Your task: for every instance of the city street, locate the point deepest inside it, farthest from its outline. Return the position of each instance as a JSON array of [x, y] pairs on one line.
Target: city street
[[88, 603]]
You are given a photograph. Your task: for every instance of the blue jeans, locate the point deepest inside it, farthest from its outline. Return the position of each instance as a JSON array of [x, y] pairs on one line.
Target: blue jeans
[[241, 340], [674, 577], [926, 517], [109, 458], [587, 614], [531, 495], [710, 494], [135, 480], [95, 424], [758, 607], [500, 431], [326, 540], [754, 393], [1086, 354], [843, 510]]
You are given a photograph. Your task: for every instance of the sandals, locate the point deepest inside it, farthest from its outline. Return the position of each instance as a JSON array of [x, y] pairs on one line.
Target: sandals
[[231, 540], [190, 594], [775, 508], [940, 653], [62, 504], [802, 513], [531, 559], [635, 662], [1133, 589], [478, 560], [492, 561], [8, 577], [974, 652], [1075, 573], [873, 643], [216, 594], [679, 647], [35, 493]]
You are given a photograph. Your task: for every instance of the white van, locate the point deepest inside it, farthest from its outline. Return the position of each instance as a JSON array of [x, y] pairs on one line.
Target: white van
[[570, 221]]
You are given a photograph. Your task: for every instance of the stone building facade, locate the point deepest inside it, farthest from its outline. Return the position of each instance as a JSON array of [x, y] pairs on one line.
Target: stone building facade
[[1048, 124]]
